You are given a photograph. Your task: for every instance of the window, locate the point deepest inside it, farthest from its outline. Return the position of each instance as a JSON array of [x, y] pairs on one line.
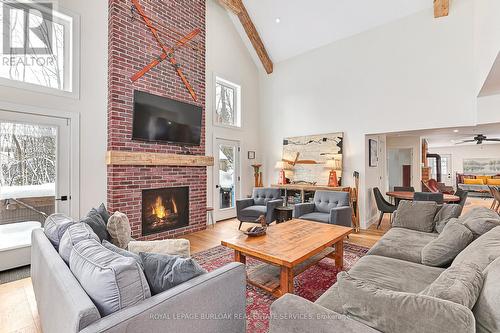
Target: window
[[36, 46], [227, 103]]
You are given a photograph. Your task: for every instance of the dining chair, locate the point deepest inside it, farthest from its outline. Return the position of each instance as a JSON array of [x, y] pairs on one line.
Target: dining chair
[[496, 192], [404, 189], [428, 196], [462, 195], [383, 205], [495, 202]]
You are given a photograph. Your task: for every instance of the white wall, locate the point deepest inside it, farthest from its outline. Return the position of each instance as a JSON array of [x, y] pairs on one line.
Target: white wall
[[414, 73], [227, 57], [415, 144], [92, 104], [459, 153], [396, 159]]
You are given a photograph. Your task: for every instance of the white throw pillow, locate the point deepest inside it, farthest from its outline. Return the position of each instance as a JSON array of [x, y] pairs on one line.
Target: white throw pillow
[[180, 247]]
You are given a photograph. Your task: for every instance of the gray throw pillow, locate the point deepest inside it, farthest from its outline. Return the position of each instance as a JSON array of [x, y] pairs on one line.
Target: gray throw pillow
[[487, 306], [483, 251], [416, 215], [55, 226], [399, 312], [460, 284], [102, 210], [74, 234], [445, 214], [164, 271], [122, 252], [451, 241], [480, 220], [95, 221], [112, 282]]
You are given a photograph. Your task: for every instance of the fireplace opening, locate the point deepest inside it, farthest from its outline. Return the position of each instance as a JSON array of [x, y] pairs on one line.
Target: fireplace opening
[[164, 209]]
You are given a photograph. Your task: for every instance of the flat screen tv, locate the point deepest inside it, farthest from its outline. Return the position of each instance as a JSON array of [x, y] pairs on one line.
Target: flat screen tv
[[163, 119]]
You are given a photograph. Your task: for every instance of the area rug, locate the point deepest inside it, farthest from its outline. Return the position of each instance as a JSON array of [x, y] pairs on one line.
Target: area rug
[[310, 284]]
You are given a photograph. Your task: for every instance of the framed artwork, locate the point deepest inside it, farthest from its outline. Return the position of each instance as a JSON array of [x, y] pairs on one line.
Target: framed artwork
[[307, 156], [251, 155], [481, 166], [372, 153]]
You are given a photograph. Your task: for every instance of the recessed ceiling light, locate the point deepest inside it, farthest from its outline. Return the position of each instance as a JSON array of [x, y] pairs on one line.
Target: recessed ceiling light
[[278, 20], [456, 131]]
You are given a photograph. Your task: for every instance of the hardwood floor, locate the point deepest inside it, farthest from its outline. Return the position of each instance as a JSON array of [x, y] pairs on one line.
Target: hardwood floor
[[18, 310]]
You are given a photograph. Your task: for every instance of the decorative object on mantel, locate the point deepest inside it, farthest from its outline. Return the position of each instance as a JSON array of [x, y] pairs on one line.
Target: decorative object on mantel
[[372, 153], [257, 174], [122, 157], [309, 154], [167, 52], [257, 231], [333, 165], [251, 155]]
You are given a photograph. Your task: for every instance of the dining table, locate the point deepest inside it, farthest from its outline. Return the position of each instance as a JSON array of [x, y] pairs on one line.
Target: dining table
[[403, 195]]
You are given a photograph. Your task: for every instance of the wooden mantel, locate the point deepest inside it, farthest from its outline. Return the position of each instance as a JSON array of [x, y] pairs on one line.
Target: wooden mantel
[[119, 157]]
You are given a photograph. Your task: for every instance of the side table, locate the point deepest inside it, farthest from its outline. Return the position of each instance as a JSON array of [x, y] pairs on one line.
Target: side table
[[283, 213]]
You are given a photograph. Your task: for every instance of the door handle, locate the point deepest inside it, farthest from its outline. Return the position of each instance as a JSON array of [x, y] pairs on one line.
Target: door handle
[[216, 186]]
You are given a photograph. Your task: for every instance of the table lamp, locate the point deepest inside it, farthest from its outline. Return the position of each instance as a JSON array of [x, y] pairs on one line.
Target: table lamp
[[333, 165], [281, 166]]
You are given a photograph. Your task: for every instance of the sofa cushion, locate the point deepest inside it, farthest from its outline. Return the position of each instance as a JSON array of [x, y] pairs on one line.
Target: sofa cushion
[[480, 220], [254, 211], [316, 216], [113, 282], [177, 247], [416, 215], [102, 210], [460, 284], [400, 312], [122, 252], [164, 271], [119, 230], [445, 214], [74, 234], [55, 226], [487, 308], [404, 244], [95, 221], [482, 251], [453, 239]]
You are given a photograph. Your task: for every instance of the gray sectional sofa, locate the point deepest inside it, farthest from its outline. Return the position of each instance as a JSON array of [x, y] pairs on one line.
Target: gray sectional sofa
[[388, 288], [212, 302]]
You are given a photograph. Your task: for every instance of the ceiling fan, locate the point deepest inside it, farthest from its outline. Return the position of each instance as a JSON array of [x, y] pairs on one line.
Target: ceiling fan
[[479, 139]]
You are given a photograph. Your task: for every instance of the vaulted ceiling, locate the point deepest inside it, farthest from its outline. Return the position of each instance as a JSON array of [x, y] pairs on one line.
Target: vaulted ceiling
[[306, 25]]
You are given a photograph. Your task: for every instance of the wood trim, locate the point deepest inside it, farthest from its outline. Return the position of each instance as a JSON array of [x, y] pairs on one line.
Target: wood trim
[[441, 8], [117, 157], [238, 8]]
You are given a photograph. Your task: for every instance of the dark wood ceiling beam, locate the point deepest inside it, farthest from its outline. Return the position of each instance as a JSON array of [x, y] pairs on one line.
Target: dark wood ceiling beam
[[238, 8], [441, 8]]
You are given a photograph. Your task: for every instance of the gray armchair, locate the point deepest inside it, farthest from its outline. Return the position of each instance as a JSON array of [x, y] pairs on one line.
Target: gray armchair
[[328, 207], [262, 202]]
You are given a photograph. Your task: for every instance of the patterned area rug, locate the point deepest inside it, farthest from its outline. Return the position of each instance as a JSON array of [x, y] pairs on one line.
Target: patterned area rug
[[310, 284]]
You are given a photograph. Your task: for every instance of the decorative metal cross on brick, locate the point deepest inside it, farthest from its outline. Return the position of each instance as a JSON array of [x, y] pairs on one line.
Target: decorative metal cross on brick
[[168, 52]]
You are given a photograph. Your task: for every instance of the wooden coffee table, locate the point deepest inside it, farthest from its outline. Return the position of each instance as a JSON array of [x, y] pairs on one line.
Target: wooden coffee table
[[287, 250]]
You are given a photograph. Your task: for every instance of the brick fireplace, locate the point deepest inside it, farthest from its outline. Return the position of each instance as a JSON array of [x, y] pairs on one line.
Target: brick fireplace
[[131, 47]]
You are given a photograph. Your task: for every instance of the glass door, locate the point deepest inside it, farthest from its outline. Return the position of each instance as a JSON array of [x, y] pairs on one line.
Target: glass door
[[34, 167], [227, 178], [446, 170]]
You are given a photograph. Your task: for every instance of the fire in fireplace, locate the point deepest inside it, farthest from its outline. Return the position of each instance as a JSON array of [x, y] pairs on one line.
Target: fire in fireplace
[[164, 209]]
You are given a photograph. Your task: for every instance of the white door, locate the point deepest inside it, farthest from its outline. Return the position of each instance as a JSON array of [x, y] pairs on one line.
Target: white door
[[227, 178], [35, 165], [447, 170]]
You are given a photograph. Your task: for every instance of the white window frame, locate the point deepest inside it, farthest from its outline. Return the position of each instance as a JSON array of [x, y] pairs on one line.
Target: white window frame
[[237, 102], [74, 62]]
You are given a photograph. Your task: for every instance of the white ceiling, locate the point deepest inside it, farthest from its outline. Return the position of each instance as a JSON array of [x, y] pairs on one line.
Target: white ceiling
[[446, 137], [306, 25]]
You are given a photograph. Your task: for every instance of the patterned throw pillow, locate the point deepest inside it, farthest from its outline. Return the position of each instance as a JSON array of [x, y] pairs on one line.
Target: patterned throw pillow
[[119, 230]]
